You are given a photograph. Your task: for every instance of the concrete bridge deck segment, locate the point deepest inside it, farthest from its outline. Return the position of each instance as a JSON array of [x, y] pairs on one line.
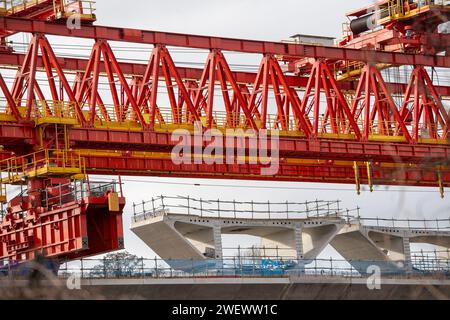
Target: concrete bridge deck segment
[[356, 243], [192, 237], [177, 236]]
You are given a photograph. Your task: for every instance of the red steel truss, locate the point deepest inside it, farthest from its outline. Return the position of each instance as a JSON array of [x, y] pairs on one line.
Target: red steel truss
[[422, 106], [316, 118]]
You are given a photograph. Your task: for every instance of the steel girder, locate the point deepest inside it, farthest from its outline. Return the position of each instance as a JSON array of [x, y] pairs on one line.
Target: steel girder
[[217, 43], [131, 69]]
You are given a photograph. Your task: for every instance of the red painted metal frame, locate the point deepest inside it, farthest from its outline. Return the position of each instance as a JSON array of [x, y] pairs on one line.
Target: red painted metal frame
[[77, 229], [337, 112], [372, 87], [14, 135], [88, 87], [423, 108], [320, 173], [27, 87], [195, 100]]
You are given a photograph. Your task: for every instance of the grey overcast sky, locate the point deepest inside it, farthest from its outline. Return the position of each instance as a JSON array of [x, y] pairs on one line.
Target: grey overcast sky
[[268, 20], [265, 20]]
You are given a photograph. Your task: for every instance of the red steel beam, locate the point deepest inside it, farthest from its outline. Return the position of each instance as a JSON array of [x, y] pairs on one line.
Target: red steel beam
[[22, 135], [89, 138], [226, 44], [392, 163], [138, 69], [127, 165], [135, 166]]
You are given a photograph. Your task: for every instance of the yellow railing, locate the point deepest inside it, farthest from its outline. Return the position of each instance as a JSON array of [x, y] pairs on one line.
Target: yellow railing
[[42, 164], [398, 9], [14, 6], [66, 8], [61, 8], [57, 109], [3, 197], [64, 113]]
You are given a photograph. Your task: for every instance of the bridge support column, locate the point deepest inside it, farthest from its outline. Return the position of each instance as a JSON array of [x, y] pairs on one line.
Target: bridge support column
[[407, 254], [299, 247], [218, 242]]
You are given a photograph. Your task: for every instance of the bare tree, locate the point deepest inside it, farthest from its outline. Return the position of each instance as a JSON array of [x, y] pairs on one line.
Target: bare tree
[[116, 265]]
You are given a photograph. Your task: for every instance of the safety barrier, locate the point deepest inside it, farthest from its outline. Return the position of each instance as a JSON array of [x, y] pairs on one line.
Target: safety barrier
[[236, 209], [61, 8], [42, 164], [242, 268]]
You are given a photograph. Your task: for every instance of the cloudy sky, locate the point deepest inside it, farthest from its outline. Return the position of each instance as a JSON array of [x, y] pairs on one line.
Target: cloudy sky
[[266, 20]]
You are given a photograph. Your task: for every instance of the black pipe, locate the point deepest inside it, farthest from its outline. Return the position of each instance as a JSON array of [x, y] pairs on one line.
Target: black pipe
[[363, 24]]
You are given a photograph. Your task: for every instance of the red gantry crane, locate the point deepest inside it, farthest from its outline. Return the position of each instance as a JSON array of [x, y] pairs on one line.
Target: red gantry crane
[[338, 118]]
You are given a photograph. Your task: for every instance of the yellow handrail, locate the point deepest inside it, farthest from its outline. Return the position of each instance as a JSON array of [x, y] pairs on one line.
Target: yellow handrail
[[43, 162], [67, 7], [85, 7], [14, 6], [3, 193]]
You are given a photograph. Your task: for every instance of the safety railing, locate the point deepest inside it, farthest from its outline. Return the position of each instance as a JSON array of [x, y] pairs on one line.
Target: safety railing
[[78, 190], [431, 261], [14, 6], [399, 8], [68, 7], [70, 192], [42, 163], [2, 212], [167, 120], [232, 267], [235, 209], [434, 254], [253, 210], [60, 8], [441, 224], [3, 193], [260, 252], [54, 109], [242, 263]]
